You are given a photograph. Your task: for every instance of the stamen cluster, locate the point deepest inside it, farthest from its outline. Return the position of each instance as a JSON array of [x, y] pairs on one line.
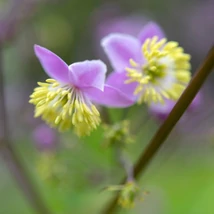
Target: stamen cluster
[[62, 106], [163, 74]]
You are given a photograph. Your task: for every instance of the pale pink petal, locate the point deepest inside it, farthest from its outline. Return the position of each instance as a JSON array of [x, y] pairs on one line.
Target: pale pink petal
[[149, 31], [117, 80], [120, 48], [53, 65], [88, 74], [110, 97]]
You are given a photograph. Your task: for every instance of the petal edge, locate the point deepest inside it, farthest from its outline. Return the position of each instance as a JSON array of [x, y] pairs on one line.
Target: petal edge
[[120, 48], [53, 65], [150, 30]]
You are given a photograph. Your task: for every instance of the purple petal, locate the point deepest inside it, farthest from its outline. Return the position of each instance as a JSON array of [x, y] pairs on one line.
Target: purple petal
[[88, 74], [120, 48], [110, 97], [117, 80], [149, 31], [195, 103], [162, 110], [53, 65]]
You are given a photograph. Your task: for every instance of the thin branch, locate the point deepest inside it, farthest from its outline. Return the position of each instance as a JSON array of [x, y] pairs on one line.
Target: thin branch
[[12, 159], [176, 113]]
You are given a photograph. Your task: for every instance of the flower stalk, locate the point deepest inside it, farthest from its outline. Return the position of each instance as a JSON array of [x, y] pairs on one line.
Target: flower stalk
[[125, 163], [176, 113], [11, 157]]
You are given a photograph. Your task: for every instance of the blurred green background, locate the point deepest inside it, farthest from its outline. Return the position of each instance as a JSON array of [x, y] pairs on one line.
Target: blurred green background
[[71, 173]]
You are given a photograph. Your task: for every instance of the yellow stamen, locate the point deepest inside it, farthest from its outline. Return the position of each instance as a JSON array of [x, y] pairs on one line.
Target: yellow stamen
[[164, 74], [64, 106], [133, 63]]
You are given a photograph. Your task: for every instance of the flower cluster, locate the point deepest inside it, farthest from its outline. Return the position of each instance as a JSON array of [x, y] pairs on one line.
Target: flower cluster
[[146, 69], [128, 193], [118, 133]]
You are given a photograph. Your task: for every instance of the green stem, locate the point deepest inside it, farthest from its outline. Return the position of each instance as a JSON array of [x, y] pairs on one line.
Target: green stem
[[164, 130], [11, 157]]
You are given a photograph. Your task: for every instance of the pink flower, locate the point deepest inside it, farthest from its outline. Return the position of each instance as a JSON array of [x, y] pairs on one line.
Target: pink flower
[[147, 68], [66, 99]]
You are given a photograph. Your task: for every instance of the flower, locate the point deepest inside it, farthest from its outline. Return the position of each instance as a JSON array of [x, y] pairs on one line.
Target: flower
[[65, 100], [62, 101], [148, 68]]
